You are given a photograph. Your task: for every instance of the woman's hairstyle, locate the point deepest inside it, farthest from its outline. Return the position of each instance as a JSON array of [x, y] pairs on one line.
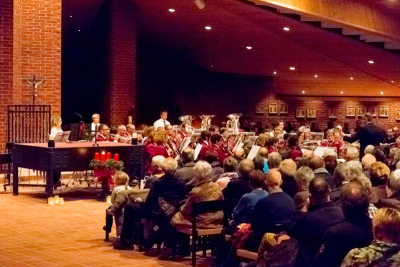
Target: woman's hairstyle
[[202, 170], [147, 130], [160, 137], [54, 121], [379, 173], [386, 224]]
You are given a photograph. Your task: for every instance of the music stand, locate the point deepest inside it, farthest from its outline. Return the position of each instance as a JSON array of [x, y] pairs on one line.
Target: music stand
[[62, 136]]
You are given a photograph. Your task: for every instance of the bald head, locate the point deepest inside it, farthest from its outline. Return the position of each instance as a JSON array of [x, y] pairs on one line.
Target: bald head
[[239, 152], [367, 161], [263, 152], [274, 179], [316, 163]]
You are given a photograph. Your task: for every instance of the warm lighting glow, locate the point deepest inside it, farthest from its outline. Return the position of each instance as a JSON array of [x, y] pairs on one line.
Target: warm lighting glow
[[286, 29], [341, 93], [381, 93], [351, 78], [108, 201], [50, 201], [392, 81], [208, 27], [370, 62], [171, 10], [316, 76], [303, 92], [249, 47], [274, 72], [61, 202], [70, 16], [56, 200], [79, 30], [292, 68]]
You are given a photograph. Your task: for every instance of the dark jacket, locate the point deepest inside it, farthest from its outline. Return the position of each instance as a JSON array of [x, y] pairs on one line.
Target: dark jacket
[[369, 134], [324, 174], [217, 170], [335, 194], [187, 175], [390, 202], [289, 185], [310, 228], [341, 238], [236, 188]]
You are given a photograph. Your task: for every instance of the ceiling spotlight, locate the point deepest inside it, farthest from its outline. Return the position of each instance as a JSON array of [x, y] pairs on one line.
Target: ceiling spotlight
[[303, 92], [286, 28], [292, 68], [171, 10], [381, 93], [370, 62], [392, 81], [249, 47], [341, 93], [274, 72], [79, 30], [200, 4], [316, 76], [208, 27], [351, 78], [70, 16]]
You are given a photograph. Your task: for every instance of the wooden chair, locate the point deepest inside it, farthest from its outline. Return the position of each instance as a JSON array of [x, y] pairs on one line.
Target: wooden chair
[[194, 232]]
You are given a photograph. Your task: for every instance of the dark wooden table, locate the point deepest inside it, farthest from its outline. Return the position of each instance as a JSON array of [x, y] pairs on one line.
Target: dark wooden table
[[74, 156]]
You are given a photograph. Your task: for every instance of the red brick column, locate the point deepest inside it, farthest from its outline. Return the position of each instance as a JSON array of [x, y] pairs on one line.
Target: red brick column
[[122, 87]]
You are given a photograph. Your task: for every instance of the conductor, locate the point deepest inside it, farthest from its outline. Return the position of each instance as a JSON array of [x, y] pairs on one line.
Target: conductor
[[370, 134]]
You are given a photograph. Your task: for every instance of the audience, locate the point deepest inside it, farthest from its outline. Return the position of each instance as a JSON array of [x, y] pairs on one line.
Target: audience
[[156, 165], [379, 174], [367, 161], [393, 201], [186, 172], [274, 160], [318, 166], [352, 154], [236, 188], [212, 159], [230, 168], [289, 184], [258, 163], [263, 152]]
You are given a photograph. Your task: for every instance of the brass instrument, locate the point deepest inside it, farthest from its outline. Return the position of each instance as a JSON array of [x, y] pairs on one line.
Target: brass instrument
[[233, 123], [187, 118], [206, 121]]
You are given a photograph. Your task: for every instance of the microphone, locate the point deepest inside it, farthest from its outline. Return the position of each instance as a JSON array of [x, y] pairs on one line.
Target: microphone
[[78, 115]]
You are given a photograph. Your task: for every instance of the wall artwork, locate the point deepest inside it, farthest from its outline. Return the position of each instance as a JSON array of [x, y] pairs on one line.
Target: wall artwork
[[332, 113], [283, 109], [361, 111], [397, 115], [273, 109], [259, 109], [350, 112], [311, 113], [300, 113], [373, 111], [383, 112]]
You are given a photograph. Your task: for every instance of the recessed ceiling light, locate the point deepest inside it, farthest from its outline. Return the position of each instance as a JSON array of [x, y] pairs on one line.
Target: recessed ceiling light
[[351, 78], [292, 68], [171, 10], [392, 81], [79, 30], [341, 93], [249, 47], [381, 93], [274, 72], [286, 28], [316, 76], [303, 92], [371, 62], [208, 27], [70, 16]]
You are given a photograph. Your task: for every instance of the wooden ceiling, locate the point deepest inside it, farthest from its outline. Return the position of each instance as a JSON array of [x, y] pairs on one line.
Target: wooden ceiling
[[235, 25]]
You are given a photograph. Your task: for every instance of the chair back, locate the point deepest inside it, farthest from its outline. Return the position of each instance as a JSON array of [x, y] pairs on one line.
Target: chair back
[[142, 194], [205, 207]]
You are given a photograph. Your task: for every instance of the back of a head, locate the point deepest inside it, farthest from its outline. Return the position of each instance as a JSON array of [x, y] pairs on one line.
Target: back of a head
[[308, 154], [330, 163], [215, 138], [158, 161], [355, 201], [368, 117], [205, 135], [304, 176], [367, 161], [352, 154], [272, 141], [329, 153], [274, 160], [246, 167], [386, 225], [353, 169], [263, 152], [394, 181], [292, 140], [379, 154], [379, 173], [258, 163], [285, 153], [170, 165], [288, 167], [230, 164], [340, 173], [368, 149], [211, 156], [121, 178], [319, 190], [202, 170], [316, 163], [188, 155], [239, 153], [257, 179], [274, 178]]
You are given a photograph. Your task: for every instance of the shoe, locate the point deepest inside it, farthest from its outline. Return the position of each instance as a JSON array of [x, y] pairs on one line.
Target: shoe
[[105, 229], [118, 246], [165, 254]]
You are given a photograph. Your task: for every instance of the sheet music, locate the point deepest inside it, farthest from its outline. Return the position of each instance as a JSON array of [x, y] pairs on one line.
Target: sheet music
[[197, 151], [253, 152], [319, 151]]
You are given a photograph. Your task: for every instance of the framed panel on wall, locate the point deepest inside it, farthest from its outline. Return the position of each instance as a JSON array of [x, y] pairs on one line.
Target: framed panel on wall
[[273, 109], [332, 113], [283, 109], [383, 112], [300, 113], [259, 110], [397, 115], [373, 110], [311, 113], [361, 111], [350, 112]]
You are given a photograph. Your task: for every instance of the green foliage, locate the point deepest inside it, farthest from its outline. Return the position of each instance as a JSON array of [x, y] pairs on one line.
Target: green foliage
[[107, 165]]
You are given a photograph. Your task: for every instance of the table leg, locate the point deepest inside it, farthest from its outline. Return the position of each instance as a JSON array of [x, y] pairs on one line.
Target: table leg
[[49, 183], [15, 180]]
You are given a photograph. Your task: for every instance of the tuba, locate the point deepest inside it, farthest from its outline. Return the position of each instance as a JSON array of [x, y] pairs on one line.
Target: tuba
[[233, 123], [206, 121], [187, 118]]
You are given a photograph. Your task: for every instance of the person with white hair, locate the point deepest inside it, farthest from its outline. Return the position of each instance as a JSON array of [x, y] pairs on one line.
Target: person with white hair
[[122, 136], [352, 154], [367, 161], [156, 166], [369, 149], [393, 201], [344, 172], [96, 122]]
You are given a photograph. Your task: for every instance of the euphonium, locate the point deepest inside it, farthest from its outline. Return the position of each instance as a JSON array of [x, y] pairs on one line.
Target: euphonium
[[206, 121], [233, 123], [187, 118]]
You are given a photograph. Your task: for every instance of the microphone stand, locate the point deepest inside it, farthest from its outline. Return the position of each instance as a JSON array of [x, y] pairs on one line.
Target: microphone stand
[[95, 137]]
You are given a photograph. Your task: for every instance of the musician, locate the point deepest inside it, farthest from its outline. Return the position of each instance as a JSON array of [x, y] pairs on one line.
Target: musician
[[122, 136], [96, 122], [161, 140], [272, 145], [103, 135], [171, 143], [162, 122], [333, 140], [55, 126], [206, 143], [214, 129], [217, 146]]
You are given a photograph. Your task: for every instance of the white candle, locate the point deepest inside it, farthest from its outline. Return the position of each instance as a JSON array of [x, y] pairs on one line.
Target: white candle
[[50, 201], [134, 135], [56, 200], [61, 201], [108, 200]]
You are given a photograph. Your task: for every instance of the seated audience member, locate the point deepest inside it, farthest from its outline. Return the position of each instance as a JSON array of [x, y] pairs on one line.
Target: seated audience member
[[167, 187], [146, 133], [292, 147], [157, 170], [366, 183], [368, 149], [285, 154], [263, 152], [379, 154], [230, 172], [308, 154], [276, 209], [384, 249], [352, 154], [303, 177], [394, 157], [212, 159], [272, 145], [217, 145], [206, 144], [236, 188], [379, 174], [393, 201], [103, 134], [122, 136], [330, 159], [367, 161], [119, 198], [243, 211], [186, 172], [238, 154], [258, 163], [309, 229], [344, 172], [318, 166], [288, 169], [352, 232], [274, 160]]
